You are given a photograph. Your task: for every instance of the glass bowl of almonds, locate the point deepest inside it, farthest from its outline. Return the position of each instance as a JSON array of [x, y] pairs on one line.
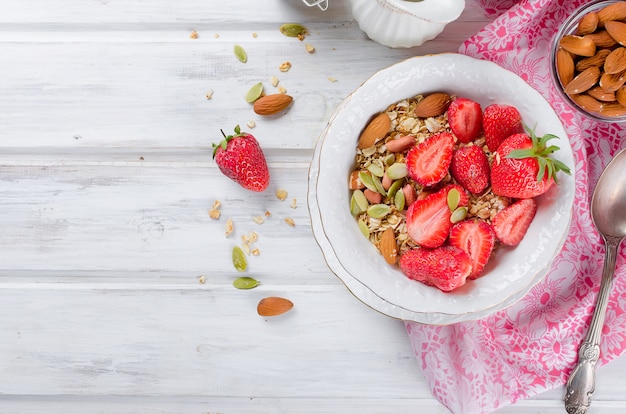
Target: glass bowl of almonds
[[590, 60]]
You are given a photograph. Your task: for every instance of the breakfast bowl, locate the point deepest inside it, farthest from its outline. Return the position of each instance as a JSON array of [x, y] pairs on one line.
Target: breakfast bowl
[[357, 262], [589, 60]]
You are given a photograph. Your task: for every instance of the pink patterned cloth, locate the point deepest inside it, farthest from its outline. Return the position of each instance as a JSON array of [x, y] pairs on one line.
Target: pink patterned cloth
[[531, 347]]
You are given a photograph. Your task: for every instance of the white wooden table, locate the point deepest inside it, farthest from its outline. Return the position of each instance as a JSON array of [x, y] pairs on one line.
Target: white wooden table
[[106, 179]]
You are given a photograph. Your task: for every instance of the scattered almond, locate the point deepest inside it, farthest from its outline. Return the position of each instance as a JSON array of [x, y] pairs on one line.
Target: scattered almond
[[434, 104], [273, 306], [375, 130], [389, 246], [578, 45], [355, 182], [272, 104]]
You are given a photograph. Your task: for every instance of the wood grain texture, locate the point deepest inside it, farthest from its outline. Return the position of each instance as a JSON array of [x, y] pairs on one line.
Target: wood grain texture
[[116, 285]]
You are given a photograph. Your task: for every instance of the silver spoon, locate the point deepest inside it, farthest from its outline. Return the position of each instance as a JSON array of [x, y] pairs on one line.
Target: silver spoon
[[608, 211]]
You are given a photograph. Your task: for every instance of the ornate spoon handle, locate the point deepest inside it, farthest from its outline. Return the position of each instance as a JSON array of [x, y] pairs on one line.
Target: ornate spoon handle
[[581, 383]]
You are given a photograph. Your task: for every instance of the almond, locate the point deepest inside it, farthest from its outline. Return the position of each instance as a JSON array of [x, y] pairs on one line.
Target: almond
[[612, 82], [355, 181], [564, 66], [616, 61], [389, 246], [273, 306], [434, 104], [588, 23], [375, 130], [613, 110], [617, 30], [620, 95], [601, 95], [272, 104], [616, 11], [578, 45], [595, 60], [587, 102], [583, 81], [602, 39]]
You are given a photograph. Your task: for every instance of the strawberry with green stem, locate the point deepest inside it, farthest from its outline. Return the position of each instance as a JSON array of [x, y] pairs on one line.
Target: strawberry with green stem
[[240, 158]]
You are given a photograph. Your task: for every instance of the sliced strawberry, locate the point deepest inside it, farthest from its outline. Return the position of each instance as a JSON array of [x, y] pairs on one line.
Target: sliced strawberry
[[470, 167], [511, 223], [466, 119], [428, 162], [445, 267], [464, 199], [477, 239], [499, 123], [428, 220]]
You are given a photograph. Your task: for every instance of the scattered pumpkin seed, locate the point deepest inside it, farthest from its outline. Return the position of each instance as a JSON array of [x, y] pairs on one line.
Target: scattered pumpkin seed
[[389, 159], [379, 185], [399, 200], [399, 170], [363, 227], [378, 210], [395, 186], [255, 92], [245, 283], [367, 180], [241, 54], [454, 198], [360, 199], [293, 29], [239, 259], [458, 214], [355, 210], [376, 170]]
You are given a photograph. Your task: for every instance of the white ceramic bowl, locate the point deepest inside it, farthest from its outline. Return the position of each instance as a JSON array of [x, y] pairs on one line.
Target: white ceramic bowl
[[511, 272]]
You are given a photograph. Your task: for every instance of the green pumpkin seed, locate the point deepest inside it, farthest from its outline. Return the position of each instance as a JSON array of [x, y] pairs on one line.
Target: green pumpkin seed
[[355, 210], [364, 229], [239, 259], [245, 283], [241, 54], [379, 185], [360, 199], [389, 159], [397, 171], [454, 198], [376, 170], [378, 210], [399, 200], [254, 93], [293, 29], [367, 180], [458, 215], [395, 186]]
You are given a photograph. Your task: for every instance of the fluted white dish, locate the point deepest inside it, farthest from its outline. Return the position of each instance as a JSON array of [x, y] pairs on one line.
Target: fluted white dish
[[511, 273], [402, 23]]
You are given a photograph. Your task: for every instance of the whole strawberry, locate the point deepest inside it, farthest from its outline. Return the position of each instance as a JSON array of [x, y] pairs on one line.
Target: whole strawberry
[[240, 158], [522, 167], [500, 122]]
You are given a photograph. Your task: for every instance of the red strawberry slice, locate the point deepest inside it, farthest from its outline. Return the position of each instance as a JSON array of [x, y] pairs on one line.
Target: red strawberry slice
[[466, 119], [477, 239], [512, 222], [240, 158], [522, 167], [470, 167], [499, 123], [428, 220], [445, 267], [428, 162]]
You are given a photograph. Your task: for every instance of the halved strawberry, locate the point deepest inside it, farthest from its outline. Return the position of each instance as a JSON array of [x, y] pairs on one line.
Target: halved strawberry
[[470, 167], [466, 119], [512, 222], [428, 162], [477, 239], [428, 220], [499, 123], [445, 267]]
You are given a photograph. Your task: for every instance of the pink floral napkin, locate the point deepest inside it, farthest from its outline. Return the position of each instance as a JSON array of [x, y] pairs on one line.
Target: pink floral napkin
[[531, 347]]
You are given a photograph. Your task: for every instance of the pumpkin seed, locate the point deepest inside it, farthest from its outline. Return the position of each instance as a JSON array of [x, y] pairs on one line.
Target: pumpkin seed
[[458, 214], [376, 170], [354, 207], [378, 210], [398, 170], [363, 227], [367, 180], [379, 185], [399, 200], [360, 199], [245, 283], [241, 54], [454, 198], [293, 29], [255, 92], [239, 259], [389, 159], [395, 186]]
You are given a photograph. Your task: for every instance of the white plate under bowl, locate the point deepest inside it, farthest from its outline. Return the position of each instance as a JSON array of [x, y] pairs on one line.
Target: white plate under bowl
[[511, 273]]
